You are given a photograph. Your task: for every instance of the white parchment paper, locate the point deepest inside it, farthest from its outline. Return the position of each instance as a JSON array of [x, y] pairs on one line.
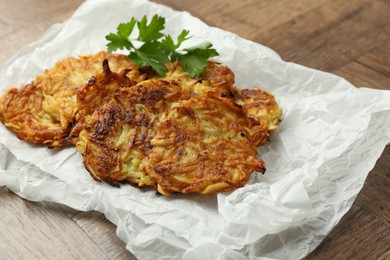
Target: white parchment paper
[[330, 138]]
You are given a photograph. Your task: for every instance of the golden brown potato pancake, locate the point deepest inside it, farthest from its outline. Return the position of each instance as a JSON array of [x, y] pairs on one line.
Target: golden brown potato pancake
[[202, 145], [98, 91], [261, 107], [215, 78], [116, 140], [42, 112]]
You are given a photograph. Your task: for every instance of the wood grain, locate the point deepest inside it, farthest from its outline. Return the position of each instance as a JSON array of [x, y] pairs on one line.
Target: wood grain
[[24, 21], [41, 230], [374, 235], [348, 38], [329, 43], [103, 233]]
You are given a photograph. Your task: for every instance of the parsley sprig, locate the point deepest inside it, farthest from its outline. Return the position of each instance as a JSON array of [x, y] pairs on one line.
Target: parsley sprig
[[153, 48]]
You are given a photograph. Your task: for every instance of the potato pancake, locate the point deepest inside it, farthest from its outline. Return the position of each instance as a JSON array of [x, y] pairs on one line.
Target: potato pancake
[[116, 140], [98, 91], [218, 78], [42, 112], [202, 145], [261, 107]]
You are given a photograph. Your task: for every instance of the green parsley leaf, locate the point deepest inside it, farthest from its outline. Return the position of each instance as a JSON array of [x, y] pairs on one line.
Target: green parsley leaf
[[117, 42], [120, 40], [151, 31], [125, 29], [157, 49], [168, 44], [182, 37], [195, 60], [151, 54]]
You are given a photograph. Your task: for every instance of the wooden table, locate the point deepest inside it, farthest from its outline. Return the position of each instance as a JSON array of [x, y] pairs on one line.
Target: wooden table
[[347, 38]]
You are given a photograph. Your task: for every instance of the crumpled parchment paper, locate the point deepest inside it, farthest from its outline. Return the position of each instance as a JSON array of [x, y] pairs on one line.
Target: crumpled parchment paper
[[330, 138]]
